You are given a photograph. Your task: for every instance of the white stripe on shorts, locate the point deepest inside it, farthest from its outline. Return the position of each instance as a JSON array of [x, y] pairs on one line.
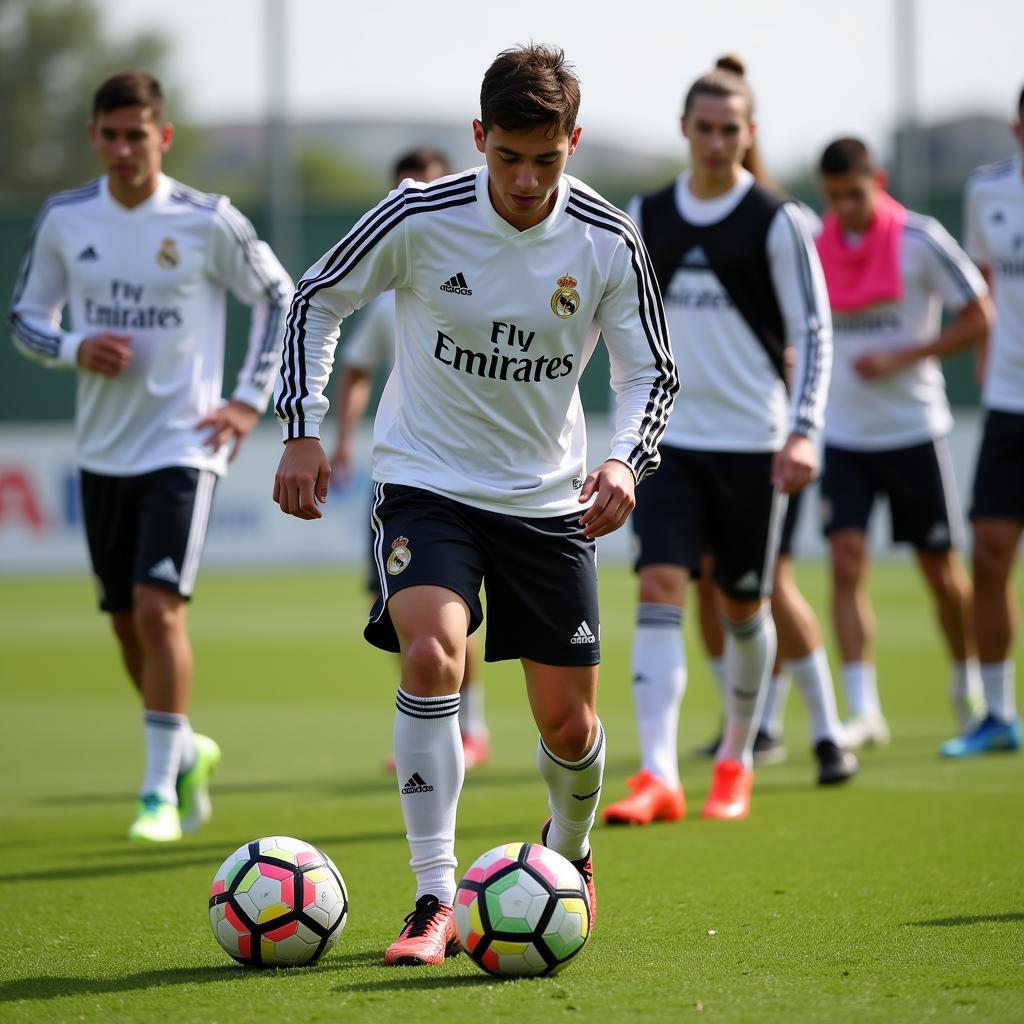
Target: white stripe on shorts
[[197, 531], [950, 494], [378, 547], [780, 502]]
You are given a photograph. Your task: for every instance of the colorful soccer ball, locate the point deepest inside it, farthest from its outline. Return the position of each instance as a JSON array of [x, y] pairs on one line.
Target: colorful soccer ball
[[278, 902], [521, 910]]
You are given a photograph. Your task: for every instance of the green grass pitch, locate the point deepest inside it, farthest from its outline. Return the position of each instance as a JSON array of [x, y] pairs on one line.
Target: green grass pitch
[[897, 898]]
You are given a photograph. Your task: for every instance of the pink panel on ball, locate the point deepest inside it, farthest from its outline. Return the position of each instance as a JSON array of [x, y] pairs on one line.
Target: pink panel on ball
[[273, 871], [217, 888], [308, 893], [234, 920], [537, 859], [465, 897], [305, 857], [283, 932], [493, 869], [490, 960], [475, 874], [245, 945]]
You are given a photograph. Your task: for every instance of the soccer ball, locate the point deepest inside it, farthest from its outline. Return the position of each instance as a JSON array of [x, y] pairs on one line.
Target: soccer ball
[[278, 902], [522, 910]]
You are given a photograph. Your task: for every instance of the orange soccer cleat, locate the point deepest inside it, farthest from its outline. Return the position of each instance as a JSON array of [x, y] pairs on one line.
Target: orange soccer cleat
[[476, 749], [427, 938], [730, 791], [649, 800], [585, 866]]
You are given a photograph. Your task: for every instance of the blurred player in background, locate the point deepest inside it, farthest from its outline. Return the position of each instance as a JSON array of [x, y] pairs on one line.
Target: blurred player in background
[[742, 284], [890, 272], [994, 218], [371, 346], [144, 265], [504, 276]]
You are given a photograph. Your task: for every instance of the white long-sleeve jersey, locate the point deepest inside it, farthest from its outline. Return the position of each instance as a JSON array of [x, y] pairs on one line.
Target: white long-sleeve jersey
[[494, 327], [158, 272], [735, 399]]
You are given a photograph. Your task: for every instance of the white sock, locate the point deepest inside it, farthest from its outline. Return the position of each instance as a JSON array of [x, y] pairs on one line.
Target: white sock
[[165, 735], [965, 689], [774, 712], [749, 656], [717, 666], [861, 683], [813, 679], [997, 678], [572, 818], [430, 767], [659, 682], [471, 709]]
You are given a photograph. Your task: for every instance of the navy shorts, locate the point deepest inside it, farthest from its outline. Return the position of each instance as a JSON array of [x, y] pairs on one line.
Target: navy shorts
[[999, 477], [720, 502], [539, 574], [918, 482], [147, 529]]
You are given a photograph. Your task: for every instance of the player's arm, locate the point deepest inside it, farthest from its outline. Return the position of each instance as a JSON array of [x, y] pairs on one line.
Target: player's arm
[[977, 249], [643, 377], [246, 266], [803, 301], [371, 258], [963, 289]]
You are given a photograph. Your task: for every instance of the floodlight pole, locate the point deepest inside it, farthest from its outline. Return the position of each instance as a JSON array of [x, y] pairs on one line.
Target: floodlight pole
[[284, 227], [913, 179]]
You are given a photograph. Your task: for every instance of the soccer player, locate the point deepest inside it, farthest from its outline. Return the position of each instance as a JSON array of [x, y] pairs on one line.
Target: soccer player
[[889, 274], [742, 284], [503, 277], [371, 346], [144, 265], [995, 240]]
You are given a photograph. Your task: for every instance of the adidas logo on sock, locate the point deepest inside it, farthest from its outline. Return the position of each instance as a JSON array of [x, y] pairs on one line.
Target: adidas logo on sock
[[164, 570], [457, 285], [583, 635], [88, 253], [416, 784]]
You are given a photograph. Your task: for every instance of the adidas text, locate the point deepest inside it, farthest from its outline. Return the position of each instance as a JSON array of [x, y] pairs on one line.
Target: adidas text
[[457, 285], [416, 784], [583, 635]]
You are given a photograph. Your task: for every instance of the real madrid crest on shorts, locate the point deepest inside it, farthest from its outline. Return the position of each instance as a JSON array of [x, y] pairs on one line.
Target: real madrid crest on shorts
[[400, 556], [566, 299], [168, 256]]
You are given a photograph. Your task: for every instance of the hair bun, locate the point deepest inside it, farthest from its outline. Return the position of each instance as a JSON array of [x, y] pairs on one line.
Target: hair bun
[[730, 62]]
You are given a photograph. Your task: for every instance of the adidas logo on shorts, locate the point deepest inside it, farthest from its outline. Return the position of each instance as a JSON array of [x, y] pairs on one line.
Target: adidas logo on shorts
[[583, 635], [164, 570], [457, 285], [416, 784]]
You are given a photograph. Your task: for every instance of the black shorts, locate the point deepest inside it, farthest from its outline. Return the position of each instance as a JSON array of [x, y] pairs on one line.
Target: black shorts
[[722, 502], [146, 529], [999, 478], [539, 575], [918, 482], [789, 524]]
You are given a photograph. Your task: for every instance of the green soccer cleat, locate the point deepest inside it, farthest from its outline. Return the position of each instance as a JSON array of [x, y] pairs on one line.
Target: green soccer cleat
[[194, 808], [156, 822]]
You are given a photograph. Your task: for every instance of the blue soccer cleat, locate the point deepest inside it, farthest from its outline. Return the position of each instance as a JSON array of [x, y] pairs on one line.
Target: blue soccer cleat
[[989, 736]]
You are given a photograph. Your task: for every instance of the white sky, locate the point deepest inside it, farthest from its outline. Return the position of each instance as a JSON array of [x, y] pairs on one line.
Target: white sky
[[818, 67]]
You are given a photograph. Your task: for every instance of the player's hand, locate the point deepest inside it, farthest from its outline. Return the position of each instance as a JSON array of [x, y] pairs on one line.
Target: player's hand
[[873, 365], [612, 486], [794, 467], [302, 478], [106, 354], [341, 464], [233, 421]]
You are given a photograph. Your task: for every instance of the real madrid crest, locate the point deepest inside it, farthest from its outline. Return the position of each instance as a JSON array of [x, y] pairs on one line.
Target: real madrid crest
[[168, 256], [400, 557], [566, 299]]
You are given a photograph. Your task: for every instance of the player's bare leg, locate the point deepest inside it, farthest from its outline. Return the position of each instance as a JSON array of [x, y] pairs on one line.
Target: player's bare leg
[[431, 624], [995, 623], [854, 621], [659, 681], [952, 592], [476, 737], [570, 756], [123, 624]]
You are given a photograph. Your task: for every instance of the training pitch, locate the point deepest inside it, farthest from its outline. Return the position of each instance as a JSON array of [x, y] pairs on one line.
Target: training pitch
[[897, 898]]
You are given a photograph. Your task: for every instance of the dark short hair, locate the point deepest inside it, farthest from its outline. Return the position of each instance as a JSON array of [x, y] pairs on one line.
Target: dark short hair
[[845, 155], [415, 163], [129, 89], [530, 87]]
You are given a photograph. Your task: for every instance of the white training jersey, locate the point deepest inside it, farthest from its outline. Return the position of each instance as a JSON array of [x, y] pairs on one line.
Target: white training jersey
[[994, 238], [494, 327], [908, 407], [372, 342], [158, 272], [734, 399]]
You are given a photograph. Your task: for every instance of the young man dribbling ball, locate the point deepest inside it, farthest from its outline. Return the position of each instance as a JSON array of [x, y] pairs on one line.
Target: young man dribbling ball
[[479, 463]]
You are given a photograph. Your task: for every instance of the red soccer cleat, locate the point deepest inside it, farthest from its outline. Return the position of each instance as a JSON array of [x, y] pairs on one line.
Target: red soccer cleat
[[585, 866], [730, 791], [649, 800], [476, 749], [427, 938]]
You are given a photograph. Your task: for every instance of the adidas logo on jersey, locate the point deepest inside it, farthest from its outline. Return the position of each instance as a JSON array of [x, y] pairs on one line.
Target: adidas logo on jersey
[[88, 253], [748, 581], [164, 570], [695, 257], [416, 784], [457, 285], [583, 635]]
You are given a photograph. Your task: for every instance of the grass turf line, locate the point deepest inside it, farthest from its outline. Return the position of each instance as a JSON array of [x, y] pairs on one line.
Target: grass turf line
[[896, 898]]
